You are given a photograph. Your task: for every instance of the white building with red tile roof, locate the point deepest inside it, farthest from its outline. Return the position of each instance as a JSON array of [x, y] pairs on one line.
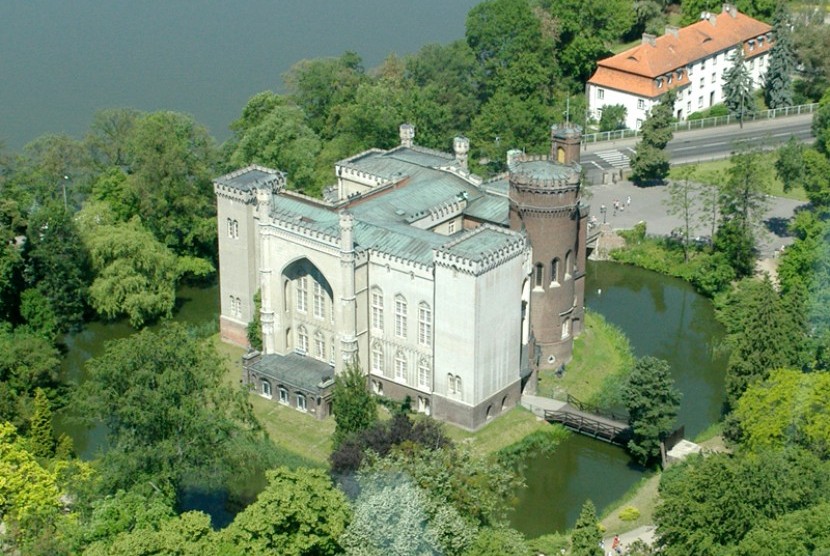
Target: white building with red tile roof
[[691, 60]]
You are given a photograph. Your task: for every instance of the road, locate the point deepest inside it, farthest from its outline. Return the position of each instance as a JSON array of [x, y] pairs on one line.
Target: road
[[697, 145]]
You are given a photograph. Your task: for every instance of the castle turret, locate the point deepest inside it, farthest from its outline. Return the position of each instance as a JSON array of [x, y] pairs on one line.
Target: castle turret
[[545, 203], [461, 146], [407, 132]]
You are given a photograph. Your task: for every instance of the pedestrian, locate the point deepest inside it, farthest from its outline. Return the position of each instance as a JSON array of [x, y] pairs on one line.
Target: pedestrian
[[616, 546], [628, 201]]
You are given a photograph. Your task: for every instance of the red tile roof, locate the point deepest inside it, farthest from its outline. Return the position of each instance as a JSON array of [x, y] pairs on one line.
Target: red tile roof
[[636, 69]]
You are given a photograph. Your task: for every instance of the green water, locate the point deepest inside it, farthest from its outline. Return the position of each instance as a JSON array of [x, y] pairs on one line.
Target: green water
[[663, 317]]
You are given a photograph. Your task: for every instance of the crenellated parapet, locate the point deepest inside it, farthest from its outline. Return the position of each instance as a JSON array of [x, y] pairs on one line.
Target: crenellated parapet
[[243, 184], [480, 250], [383, 258], [438, 213]]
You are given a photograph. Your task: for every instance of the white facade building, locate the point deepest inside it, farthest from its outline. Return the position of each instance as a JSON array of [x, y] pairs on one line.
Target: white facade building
[[691, 60]]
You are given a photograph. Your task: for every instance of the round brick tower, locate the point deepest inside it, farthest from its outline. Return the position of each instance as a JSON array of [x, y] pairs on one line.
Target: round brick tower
[[545, 204]]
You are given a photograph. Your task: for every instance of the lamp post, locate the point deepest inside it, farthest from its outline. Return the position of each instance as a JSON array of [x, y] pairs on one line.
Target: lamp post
[[602, 211], [63, 185]]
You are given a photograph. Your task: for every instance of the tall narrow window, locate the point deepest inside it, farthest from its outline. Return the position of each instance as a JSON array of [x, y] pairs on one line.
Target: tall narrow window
[[450, 384], [333, 356], [400, 366], [283, 395], [566, 328], [377, 309], [400, 316], [319, 346], [569, 264], [540, 274], [319, 301], [236, 229], [554, 271], [377, 357], [230, 228], [301, 402], [423, 373], [451, 227], [302, 339], [424, 324], [302, 294], [457, 385], [266, 389]]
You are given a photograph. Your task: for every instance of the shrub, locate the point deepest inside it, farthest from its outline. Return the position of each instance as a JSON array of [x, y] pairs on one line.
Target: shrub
[[629, 513]]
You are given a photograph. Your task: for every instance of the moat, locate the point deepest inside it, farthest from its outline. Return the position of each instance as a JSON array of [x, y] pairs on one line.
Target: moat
[[661, 316]]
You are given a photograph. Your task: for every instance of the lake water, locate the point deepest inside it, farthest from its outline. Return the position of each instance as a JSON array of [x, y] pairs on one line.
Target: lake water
[[61, 61]]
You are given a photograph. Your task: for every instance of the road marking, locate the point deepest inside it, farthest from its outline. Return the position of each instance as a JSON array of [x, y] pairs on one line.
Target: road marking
[[595, 164], [613, 158], [696, 147]]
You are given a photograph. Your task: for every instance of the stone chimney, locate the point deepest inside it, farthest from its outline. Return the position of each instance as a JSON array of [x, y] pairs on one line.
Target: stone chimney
[[710, 17], [649, 39], [407, 132], [512, 156], [673, 30], [461, 146], [730, 9]]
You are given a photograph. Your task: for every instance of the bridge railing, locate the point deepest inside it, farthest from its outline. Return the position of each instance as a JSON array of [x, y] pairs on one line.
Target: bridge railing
[[596, 410], [585, 425], [703, 123]]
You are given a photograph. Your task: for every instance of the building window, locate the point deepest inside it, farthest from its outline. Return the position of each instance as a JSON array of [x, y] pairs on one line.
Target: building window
[[424, 324], [377, 387], [761, 61], [702, 82], [600, 94], [333, 356], [400, 366], [540, 275], [236, 229], [302, 340], [423, 405], [641, 104], [302, 294], [639, 124], [751, 45], [319, 301], [688, 108], [450, 384], [319, 346], [700, 101], [451, 227], [400, 316], [266, 389], [377, 309], [703, 64], [301, 402], [283, 395], [457, 385], [569, 264], [377, 357], [566, 328], [714, 77], [554, 271], [423, 373], [752, 64], [230, 228]]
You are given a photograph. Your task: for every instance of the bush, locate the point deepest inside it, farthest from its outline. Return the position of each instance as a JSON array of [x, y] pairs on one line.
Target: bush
[[629, 513]]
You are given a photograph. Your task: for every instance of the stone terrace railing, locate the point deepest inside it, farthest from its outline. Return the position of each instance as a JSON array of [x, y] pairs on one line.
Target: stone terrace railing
[[705, 122]]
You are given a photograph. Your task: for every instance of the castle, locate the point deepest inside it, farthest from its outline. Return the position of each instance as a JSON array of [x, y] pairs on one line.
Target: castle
[[443, 287]]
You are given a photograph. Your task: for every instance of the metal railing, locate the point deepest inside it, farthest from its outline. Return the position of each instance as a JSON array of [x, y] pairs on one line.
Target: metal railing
[[703, 123]]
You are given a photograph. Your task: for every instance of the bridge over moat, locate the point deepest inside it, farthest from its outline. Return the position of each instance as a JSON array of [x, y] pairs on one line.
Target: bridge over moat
[[582, 418]]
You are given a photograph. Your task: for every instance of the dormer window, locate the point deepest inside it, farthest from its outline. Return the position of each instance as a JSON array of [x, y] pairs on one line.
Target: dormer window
[[659, 82], [679, 74], [751, 45], [668, 79]]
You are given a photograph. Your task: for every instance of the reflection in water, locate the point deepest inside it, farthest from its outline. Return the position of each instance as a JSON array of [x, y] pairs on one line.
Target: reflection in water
[[663, 317]]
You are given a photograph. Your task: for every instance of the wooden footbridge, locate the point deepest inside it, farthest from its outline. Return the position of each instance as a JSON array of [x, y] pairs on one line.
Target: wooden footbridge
[[586, 419]]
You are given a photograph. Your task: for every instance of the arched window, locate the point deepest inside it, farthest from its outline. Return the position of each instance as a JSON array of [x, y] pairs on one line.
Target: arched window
[[266, 388], [400, 366], [377, 309], [230, 228], [423, 373], [566, 328], [424, 324], [236, 229], [302, 294], [377, 357], [319, 346], [333, 356], [554, 271], [302, 340], [319, 301], [400, 316], [568, 264], [457, 385], [283, 395], [540, 275], [301, 402], [450, 384]]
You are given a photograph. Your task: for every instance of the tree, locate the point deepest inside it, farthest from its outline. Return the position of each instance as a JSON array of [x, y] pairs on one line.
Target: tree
[[681, 202], [586, 535], [27, 362], [821, 125], [789, 165], [299, 513], [613, 117], [355, 408], [652, 402], [170, 417], [778, 86], [650, 162], [498, 541], [801, 533], [789, 408], [109, 136], [737, 87], [254, 330], [41, 435], [816, 180]]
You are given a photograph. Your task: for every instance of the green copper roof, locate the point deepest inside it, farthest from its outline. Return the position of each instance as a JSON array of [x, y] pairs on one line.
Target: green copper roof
[[544, 169], [476, 245], [295, 372]]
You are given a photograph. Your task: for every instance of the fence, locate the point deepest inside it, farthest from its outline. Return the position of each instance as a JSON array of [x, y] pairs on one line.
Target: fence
[[705, 122]]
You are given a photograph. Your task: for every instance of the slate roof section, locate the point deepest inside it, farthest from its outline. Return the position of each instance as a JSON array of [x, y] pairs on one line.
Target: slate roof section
[[295, 371], [480, 243], [249, 177], [636, 70]]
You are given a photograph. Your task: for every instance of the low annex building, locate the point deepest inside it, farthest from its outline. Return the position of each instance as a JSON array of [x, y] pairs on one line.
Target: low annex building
[[443, 287], [691, 59]]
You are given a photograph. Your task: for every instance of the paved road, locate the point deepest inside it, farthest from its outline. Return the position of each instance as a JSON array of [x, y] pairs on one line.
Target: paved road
[[698, 145]]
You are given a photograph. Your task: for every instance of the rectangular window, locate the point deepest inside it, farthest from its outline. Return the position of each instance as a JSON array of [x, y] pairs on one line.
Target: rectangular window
[[319, 301], [283, 395], [715, 60], [302, 294], [714, 78], [641, 104], [688, 108], [423, 374], [377, 310], [451, 227], [230, 228], [377, 358], [400, 366], [703, 64], [320, 347], [600, 94], [700, 102], [400, 318], [702, 82], [301, 402], [424, 324]]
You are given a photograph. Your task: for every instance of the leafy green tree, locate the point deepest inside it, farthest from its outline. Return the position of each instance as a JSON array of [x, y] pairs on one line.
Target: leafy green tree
[[170, 417], [682, 203], [188, 534], [816, 180], [613, 117], [54, 169], [41, 434], [113, 188], [255, 326], [821, 125], [109, 136], [498, 541], [27, 362], [789, 408], [708, 505], [172, 162], [778, 85], [586, 534], [737, 87], [652, 402], [122, 513], [299, 513], [812, 42], [789, 165], [650, 161], [373, 118], [801, 533], [355, 408]]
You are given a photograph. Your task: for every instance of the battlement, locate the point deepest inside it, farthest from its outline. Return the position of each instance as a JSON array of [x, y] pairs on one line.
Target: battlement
[[480, 250]]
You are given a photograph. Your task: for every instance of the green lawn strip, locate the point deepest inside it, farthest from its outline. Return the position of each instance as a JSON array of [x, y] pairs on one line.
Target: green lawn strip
[[706, 171], [498, 434], [641, 496], [602, 355]]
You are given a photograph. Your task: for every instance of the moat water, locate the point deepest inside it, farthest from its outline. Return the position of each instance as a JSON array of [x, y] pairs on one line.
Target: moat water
[[661, 316]]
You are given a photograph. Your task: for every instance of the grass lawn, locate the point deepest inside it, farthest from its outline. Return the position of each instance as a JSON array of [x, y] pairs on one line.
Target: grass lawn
[[288, 428], [499, 433], [642, 496], [706, 171], [601, 353]]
